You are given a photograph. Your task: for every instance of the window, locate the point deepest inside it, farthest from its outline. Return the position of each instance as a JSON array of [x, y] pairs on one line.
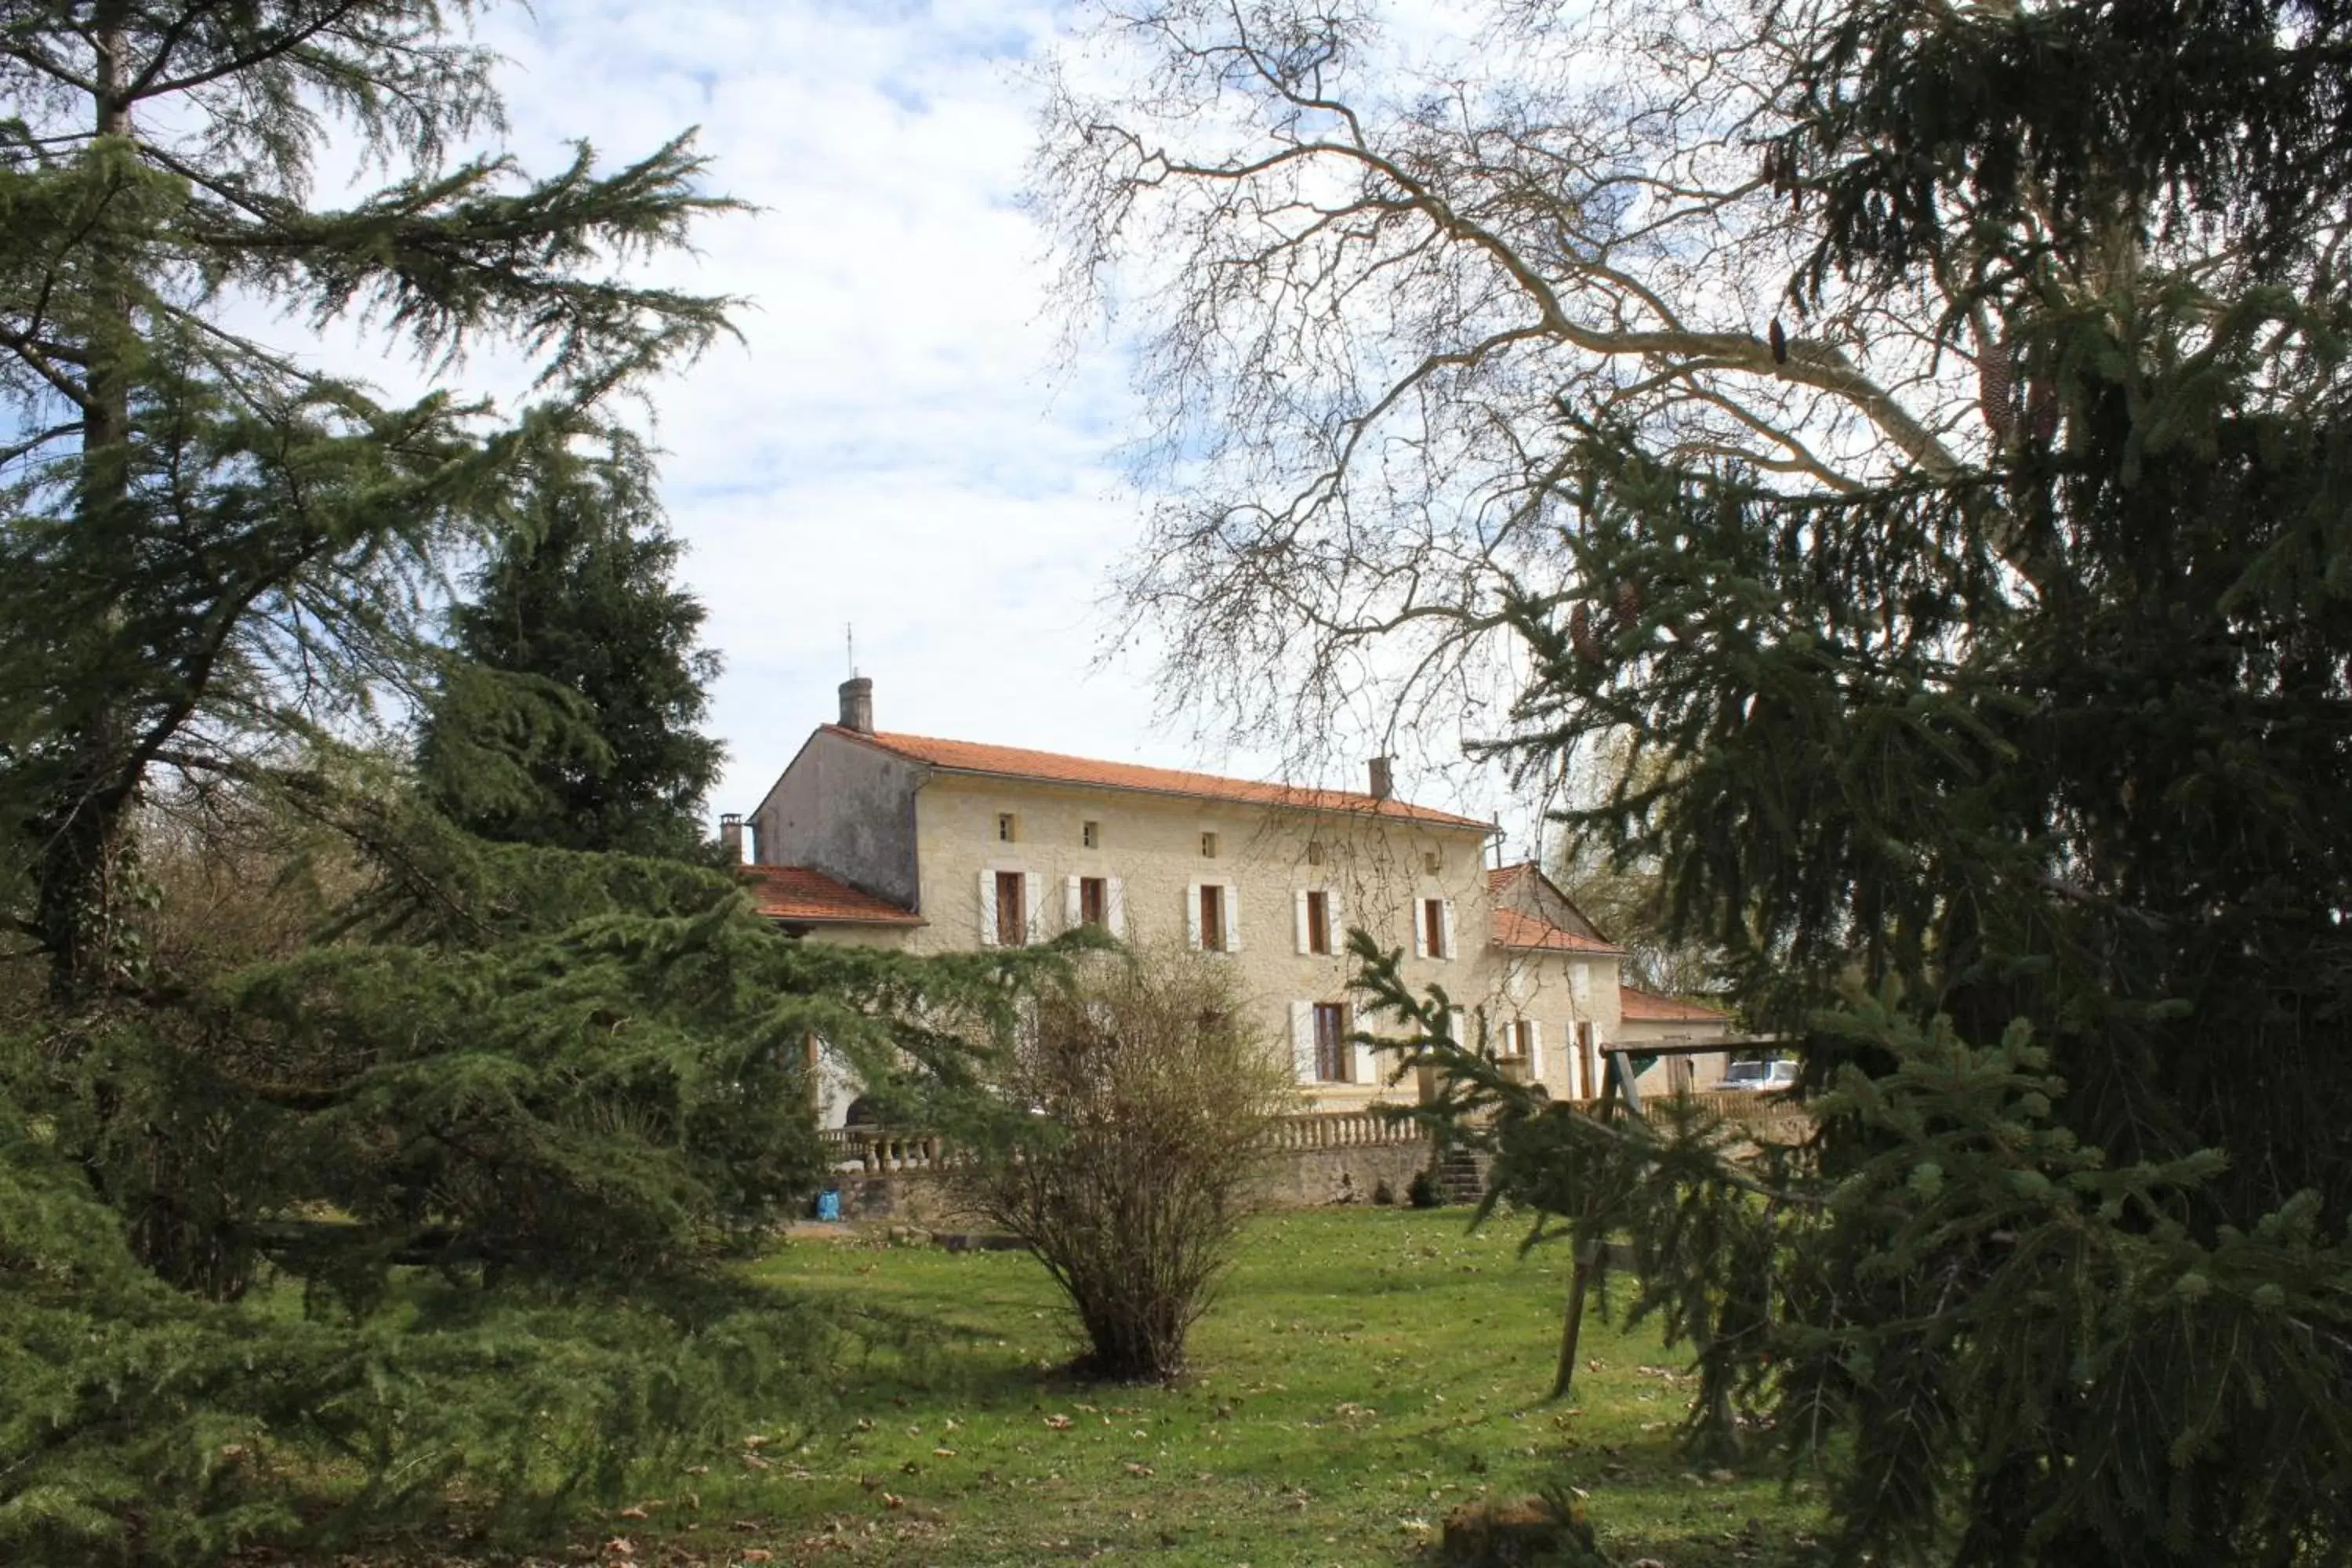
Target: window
[[1520, 1039], [1208, 846], [1212, 917], [1432, 862], [1319, 922], [1588, 1062], [1435, 929], [1008, 827], [1094, 900], [1314, 852], [1333, 1058], [1090, 835], [1012, 911]]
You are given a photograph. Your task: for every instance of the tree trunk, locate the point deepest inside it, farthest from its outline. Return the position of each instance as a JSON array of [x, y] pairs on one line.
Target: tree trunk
[[83, 835]]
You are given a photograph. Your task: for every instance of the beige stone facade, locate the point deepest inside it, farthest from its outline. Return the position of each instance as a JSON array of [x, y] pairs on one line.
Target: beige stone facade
[[937, 845]]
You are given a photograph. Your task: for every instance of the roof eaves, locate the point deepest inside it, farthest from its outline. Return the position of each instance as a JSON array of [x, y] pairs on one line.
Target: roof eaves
[[1405, 810]]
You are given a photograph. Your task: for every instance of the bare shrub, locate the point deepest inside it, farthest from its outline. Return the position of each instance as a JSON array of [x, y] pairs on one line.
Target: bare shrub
[[1134, 1109]]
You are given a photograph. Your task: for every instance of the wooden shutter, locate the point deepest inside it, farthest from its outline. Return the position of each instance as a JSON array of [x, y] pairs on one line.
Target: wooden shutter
[[1115, 907], [1334, 921], [1367, 1061], [1445, 928], [1193, 916], [1420, 912], [1302, 1040], [1298, 921], [1029, 918], [1459, 1018], [1231, 907], [988, 908], [1074, 911], [1534, 1051]]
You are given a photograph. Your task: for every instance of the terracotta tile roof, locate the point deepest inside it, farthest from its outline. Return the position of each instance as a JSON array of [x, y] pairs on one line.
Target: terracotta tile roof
[[1525, 932], [804, 895], [1012, 762], [1502, 877], [1649, 1007]]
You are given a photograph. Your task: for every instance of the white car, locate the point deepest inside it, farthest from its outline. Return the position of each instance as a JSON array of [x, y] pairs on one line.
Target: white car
[[1772, 1075]]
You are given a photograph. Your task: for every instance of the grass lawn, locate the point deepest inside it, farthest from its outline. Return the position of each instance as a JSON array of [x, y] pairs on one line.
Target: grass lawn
[[1364, 1371]]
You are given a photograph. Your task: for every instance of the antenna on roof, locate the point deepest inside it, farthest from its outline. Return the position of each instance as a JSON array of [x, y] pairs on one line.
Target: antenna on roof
[[849, 637]]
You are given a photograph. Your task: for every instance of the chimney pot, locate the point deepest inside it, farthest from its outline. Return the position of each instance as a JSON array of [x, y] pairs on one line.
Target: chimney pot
[[730, 837], [1383, 784], [857, 704]]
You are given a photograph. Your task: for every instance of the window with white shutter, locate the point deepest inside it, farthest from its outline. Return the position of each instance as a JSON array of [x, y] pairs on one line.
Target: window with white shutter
[[988, 908], [1193, 916], [1073, 915], [1115, 907], [1302, 1041], [1032, 920]]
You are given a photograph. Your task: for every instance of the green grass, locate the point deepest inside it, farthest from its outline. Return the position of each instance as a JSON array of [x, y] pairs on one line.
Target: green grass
[[1363, 1373]]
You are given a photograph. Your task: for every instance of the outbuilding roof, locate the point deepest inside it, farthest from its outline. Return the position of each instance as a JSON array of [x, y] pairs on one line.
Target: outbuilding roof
[[802, 895], [1648, 1007], [1527, 933]]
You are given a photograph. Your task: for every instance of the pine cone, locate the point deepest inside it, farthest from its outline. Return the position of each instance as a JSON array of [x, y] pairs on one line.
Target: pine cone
[[1580, 634], [1629, 603], [2041, 410], [1997, 391]]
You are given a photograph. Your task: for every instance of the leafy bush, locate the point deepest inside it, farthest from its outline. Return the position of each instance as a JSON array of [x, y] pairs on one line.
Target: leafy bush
[[1129, 1117]]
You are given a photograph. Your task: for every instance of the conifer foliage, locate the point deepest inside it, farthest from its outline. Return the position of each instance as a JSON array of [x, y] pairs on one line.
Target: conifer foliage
[[353, 1171], [2016, 788], [570, 719]]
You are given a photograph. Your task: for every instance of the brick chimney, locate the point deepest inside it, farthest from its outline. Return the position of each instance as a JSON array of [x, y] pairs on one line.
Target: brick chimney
[[857, 704], [1383, 784], [730, 837]]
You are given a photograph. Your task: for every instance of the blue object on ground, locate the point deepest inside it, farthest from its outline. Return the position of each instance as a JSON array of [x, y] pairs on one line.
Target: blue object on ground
[[828, 1204]]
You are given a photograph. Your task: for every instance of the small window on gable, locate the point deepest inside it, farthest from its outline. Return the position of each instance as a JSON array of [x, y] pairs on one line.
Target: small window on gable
[[1432, 862], [1208, 846], [1314, 852], [1008, 827], [1090, 835]]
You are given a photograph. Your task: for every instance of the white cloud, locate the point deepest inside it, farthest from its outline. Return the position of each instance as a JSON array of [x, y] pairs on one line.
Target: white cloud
[[894, 443]]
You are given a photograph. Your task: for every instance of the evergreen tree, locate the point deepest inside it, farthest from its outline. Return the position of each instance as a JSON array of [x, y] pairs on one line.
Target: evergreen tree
[[2016, 788], [411, 1193], [212, 550], [570, 719]]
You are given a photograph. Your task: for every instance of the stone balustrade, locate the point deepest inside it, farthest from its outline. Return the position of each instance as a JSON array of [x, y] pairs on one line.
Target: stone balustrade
[[881, 1150], [1343, 1130]]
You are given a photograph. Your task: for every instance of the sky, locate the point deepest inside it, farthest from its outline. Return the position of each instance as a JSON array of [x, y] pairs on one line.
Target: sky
[[902, 442]]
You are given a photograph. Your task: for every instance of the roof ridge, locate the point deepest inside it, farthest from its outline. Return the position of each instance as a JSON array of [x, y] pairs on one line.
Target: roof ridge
[[939, 750]]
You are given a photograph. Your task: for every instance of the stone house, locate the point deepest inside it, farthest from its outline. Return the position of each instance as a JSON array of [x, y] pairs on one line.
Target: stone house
[[933, 844]]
